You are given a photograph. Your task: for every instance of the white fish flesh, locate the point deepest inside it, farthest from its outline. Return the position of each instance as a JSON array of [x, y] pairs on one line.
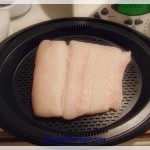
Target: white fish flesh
[[79, 79]]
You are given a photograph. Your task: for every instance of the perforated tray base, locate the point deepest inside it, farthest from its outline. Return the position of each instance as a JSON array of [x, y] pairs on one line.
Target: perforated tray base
[[131, 90]]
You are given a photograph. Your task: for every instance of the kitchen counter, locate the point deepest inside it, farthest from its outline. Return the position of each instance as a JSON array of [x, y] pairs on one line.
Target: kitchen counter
[[9, 140]]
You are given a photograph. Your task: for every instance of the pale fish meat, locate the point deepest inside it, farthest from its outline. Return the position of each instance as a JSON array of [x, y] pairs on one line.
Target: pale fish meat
[[79, 79]]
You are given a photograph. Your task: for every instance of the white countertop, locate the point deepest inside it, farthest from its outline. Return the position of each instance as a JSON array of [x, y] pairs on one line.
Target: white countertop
[[39, 13]]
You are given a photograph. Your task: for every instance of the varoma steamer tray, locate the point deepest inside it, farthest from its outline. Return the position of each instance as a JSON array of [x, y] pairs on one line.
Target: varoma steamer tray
[[17, 55]]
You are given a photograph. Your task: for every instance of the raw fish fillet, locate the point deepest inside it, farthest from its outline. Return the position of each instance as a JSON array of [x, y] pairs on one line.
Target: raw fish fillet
[[94, 83], [79, 79], [49, 78]]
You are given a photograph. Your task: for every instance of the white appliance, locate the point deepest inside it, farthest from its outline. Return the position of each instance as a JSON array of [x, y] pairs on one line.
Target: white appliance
[[135, 16]]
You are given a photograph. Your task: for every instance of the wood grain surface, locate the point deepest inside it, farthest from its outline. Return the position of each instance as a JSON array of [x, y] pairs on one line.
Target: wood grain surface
[[6, 137]]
